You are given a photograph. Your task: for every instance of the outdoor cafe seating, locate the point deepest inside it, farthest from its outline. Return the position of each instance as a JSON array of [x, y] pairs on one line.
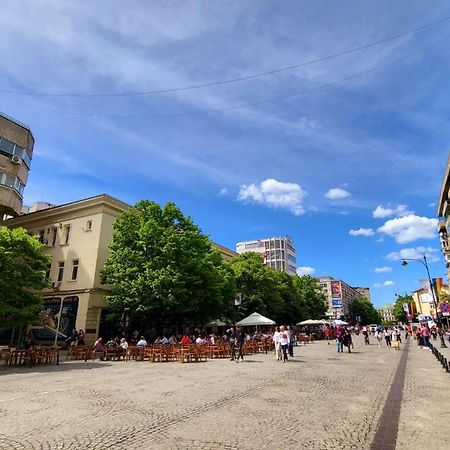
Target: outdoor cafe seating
[[30, 357]]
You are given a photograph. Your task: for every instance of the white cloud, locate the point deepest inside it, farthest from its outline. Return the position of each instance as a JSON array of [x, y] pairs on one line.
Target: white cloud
[[376, 285], [337, 194], [224, 191], [305, 270], [380, 239], [276, 194], [383, 269], [414, 253], [362, 232], [410, 228], [432, 204], [380, 212], [388, 283]]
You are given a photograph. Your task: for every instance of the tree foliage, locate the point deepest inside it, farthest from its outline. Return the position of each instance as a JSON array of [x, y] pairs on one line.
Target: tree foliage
[[22, 276], [399, 313], [363, 308], [163, 268], [275, 294]]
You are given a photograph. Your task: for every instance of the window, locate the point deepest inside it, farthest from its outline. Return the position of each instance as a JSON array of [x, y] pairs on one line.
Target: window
[[41, 234], [53, 239], [66, 234], [48, 271], [89, 225], [60, 271], [12, 182], [75, 264]]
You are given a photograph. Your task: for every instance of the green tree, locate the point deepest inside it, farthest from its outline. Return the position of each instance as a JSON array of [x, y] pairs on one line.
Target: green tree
[[164, 269], [365, 310], [259, 286], [399, 313], [22, 277], [310, 302]]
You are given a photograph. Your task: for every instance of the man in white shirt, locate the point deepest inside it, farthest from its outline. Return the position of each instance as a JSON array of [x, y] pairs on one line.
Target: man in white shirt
[[276, 341], [284, 342]]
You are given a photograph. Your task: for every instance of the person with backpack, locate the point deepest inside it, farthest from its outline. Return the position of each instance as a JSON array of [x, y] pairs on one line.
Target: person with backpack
[[240, 341]]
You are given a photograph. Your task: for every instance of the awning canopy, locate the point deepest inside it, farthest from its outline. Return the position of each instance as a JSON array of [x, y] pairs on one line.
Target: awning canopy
[[255, 319], [339, 322]]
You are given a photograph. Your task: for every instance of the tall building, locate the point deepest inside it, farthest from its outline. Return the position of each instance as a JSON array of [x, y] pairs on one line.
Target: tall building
[[387, 312], [16, 151], [277, 252], [77, 235], [444, 215], [340, 295], [363, 292]]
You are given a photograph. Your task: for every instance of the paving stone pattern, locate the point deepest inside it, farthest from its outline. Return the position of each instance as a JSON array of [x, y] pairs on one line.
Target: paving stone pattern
[[318, 400]]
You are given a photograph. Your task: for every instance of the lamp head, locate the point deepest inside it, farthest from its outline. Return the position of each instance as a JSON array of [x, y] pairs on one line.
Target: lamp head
[[404, 263]]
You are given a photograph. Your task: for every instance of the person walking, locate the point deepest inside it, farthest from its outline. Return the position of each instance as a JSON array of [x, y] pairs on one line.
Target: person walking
[[232, 341], [291, 341], [276, 342], [339, 333], [327, 334], [284, 342], [379, 336], [426, 336], [240, 341], [387, 336], [347, 340]]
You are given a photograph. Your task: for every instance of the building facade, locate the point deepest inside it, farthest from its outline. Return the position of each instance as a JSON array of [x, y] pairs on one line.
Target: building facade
[[278, 252], [444, 217], [363, 292], [387, 312], [16, 151], [339, 296], [77, 235]]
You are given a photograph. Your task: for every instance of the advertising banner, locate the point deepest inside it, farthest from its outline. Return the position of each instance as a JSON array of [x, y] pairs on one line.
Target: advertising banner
[[336, 289], [336, 303]]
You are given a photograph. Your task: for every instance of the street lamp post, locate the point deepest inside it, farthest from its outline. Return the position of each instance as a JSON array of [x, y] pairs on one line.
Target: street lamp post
[[424, 262]]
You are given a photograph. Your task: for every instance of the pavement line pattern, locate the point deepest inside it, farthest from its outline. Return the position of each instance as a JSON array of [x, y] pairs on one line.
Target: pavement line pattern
[[386, 435]]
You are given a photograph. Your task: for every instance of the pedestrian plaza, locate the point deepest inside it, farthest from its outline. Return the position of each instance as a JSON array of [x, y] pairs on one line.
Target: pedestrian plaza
[[317, 400]]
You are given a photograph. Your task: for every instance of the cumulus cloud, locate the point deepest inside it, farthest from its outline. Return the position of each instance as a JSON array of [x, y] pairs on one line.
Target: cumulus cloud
[[383, 269], [376, 285], [276, 194], [388, 283], [410, 228], [337, 194], [305, 270], [223, 192], [362, 232], [381, 212], [414, 253]]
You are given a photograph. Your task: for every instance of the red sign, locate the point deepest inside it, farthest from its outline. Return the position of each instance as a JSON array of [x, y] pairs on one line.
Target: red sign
[[336, 289]]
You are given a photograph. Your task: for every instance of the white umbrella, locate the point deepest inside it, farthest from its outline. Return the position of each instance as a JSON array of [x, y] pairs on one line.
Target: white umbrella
[[255, 319], [312, 322], [339, 322]]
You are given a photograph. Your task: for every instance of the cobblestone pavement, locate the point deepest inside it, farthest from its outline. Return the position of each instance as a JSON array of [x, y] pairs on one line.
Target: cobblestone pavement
[[318, 400], [425, 413]]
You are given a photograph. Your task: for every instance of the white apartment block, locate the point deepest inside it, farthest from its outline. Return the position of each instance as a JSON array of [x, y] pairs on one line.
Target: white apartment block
[[277, 252]]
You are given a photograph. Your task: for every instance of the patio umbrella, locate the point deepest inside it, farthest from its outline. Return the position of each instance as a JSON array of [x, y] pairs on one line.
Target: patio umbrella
[[339, 322], [312, 322], [255, 319]]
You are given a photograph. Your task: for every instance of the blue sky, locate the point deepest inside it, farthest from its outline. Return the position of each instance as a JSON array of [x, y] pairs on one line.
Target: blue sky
[[340, 154]]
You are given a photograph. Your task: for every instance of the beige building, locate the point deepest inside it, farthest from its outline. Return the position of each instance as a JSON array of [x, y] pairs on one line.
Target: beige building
[[339, 296], [77, 236], [423, 301], [363, 292], [444, 214], [387, 312], [16, 151]]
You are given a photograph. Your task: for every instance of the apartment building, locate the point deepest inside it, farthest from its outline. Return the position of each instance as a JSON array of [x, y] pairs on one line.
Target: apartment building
[[387, 312], [77, 236], [278, 252], [363, 292], [444, 217], [339, 296], [16, 151]]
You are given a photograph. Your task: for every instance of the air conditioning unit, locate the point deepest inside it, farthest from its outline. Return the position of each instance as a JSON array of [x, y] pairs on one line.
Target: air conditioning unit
[[56, 284], [16, 159], [45, 241]]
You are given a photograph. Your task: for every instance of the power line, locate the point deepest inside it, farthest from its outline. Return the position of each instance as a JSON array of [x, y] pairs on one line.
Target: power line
[[237, 79], [255, 103]]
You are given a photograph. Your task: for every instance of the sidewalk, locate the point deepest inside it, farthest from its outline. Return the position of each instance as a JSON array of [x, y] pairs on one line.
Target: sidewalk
[[425, 412]]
